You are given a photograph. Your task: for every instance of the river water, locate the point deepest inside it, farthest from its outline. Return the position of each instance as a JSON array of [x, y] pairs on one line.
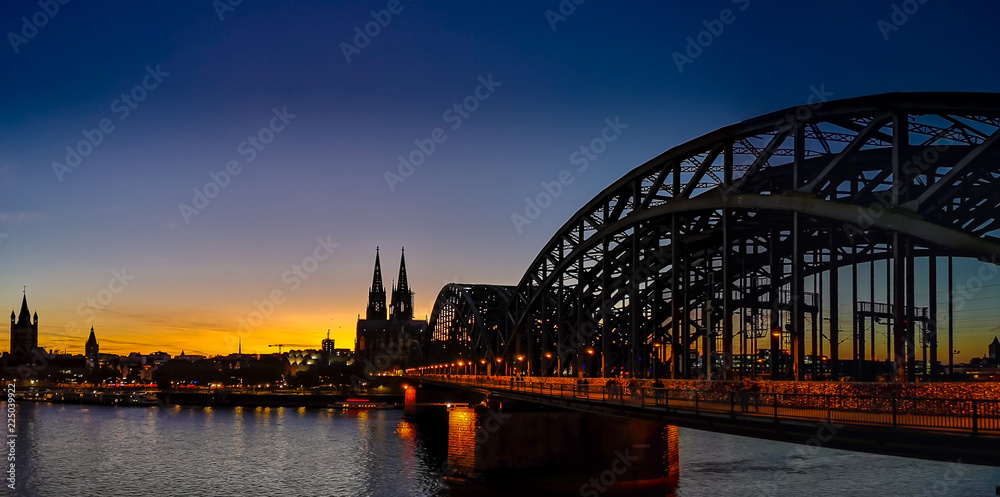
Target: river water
[[64, 450]]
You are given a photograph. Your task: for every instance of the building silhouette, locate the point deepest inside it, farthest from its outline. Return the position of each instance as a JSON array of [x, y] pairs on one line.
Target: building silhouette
[[390, 336], [995, 350], [23, 332], [91, 350]]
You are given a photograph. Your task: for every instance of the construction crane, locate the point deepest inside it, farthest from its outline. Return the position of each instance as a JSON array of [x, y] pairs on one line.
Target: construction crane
[[280, 345]]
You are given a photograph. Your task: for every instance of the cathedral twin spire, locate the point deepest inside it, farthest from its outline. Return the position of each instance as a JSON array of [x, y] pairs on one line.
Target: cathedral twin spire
[[376, 294], [402, 297]]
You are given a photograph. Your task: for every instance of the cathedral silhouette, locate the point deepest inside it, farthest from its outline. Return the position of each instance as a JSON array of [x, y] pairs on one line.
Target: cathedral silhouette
[[390, 336]]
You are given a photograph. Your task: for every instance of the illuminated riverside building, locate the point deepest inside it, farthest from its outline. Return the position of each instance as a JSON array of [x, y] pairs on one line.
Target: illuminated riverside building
[[328, 344]]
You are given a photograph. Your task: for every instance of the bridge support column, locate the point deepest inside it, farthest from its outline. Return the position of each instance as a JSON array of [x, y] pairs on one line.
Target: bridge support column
[[606, 312], [777, 270], [951, 317], [797, 297], [857, 326], [911, 349], [727, 273], [679, 306], [708, 339], [679, 343], [727, 299], [898, 307], [871, 298], [635, 345], [834, 309], [889, 325], [932, 325]]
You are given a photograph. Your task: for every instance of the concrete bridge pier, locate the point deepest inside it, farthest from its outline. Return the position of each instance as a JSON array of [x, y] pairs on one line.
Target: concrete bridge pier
[[426, 401], [516, 445]]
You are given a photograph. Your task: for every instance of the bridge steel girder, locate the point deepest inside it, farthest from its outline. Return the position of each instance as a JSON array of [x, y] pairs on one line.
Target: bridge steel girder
[[854, 178]]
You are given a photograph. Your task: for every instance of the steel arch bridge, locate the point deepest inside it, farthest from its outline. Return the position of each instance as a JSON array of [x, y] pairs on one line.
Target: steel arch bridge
[[467, 323], [736, 235]]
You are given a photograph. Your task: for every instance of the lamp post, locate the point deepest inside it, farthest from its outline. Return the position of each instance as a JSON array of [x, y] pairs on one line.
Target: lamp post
[[775, 352], [656, 357], [590, 352]]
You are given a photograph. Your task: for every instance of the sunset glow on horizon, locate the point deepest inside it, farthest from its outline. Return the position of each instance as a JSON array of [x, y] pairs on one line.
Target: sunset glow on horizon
[[165, 188]]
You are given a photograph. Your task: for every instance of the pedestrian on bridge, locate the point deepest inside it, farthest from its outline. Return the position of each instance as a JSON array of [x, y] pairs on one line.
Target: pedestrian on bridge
[[743, 390], [754, 389], [658, 391]]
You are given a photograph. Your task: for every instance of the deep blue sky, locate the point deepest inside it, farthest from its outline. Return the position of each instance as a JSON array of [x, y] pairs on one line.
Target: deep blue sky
[[323, 176]]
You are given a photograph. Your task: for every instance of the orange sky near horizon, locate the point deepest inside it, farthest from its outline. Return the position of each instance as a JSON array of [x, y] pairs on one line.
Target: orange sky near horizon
[[219, 332], [203, 333]]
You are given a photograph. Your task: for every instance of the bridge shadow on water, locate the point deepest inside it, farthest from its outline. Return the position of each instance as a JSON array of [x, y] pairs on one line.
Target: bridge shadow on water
[[494, 448]]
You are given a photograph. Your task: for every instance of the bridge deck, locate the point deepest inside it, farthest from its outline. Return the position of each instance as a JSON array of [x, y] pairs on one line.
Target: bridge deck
[[949, 429]]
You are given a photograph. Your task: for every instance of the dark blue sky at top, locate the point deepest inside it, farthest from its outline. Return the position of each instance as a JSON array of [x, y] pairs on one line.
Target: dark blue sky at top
[[324, 175]]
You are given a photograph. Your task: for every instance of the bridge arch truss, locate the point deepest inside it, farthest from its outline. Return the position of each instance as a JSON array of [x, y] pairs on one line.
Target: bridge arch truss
[[735, 236]]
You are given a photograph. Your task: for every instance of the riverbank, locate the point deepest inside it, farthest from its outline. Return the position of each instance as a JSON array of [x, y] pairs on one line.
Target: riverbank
[[201, 398]]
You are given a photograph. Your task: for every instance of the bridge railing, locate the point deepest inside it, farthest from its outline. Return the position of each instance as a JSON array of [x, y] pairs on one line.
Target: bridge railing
[[975, 416]]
